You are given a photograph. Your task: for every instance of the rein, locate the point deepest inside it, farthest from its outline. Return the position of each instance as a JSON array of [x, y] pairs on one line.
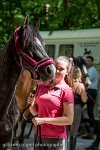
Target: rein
[[25, 58]]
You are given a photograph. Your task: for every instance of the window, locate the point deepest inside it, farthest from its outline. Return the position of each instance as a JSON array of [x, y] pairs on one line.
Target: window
[[50, 49], [66, 50]]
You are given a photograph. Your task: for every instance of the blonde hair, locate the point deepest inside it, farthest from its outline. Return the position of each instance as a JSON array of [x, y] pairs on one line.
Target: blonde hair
[[63, 58], [76, 74], [68, 60]]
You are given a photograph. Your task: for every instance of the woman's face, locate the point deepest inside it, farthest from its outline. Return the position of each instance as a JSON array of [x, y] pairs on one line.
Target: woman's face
[[61, 70], [89, 62]]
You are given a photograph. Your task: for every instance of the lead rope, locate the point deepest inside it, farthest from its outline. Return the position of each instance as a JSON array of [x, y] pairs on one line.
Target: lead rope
[[38, 133]]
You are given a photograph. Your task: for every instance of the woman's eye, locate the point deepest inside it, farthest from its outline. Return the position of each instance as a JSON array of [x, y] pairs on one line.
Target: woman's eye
[[60, 69]]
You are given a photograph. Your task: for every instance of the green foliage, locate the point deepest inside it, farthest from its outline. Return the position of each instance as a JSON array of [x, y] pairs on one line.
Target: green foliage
[[59, 15]]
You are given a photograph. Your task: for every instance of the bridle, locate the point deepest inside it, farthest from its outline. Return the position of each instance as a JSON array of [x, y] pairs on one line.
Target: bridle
[[27, 59], [24, 58]]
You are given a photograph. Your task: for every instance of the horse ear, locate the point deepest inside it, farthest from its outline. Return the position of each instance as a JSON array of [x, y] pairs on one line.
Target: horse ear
[[37, 25], [26, 21], [25, 24]]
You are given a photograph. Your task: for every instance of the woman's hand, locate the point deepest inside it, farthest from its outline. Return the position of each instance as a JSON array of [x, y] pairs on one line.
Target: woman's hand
[[38, 121], [31, 99], [98, 108]]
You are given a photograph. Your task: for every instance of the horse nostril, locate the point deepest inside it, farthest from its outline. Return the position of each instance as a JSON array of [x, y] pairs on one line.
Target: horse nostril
[[49, 70]]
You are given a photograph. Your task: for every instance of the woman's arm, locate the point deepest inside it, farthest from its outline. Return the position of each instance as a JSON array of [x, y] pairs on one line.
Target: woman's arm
[[34, 110], [83, 93], [33, 106], [66, 119]]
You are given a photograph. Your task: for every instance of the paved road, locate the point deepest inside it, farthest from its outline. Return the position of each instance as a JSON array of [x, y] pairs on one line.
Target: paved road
[[28, 143]]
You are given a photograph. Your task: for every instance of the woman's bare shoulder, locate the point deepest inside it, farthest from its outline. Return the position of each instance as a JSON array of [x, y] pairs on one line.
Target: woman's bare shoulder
[[81, 86]]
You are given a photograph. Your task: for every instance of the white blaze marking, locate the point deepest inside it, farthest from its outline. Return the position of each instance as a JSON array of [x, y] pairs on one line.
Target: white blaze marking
[[87, 78], [38, 41], [84, 68]]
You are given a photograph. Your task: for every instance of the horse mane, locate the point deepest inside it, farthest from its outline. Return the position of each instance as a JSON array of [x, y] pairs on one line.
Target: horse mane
[[28, 37], [79, 61]]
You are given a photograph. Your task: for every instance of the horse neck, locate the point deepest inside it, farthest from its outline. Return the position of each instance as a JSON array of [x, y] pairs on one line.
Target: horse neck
[[9, 74]]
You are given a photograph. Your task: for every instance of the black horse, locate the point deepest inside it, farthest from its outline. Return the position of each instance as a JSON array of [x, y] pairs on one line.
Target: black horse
[[24, 50], [80, 62]]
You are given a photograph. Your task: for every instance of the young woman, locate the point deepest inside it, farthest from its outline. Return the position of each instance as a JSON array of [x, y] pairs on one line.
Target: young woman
[[54, 105], [79, 97]]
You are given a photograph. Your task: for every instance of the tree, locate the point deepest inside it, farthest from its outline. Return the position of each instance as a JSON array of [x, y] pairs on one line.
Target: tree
[[53, 15]]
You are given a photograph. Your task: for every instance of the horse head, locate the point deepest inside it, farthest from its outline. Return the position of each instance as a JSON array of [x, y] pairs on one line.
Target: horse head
[[30, 47], [80, 62]]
